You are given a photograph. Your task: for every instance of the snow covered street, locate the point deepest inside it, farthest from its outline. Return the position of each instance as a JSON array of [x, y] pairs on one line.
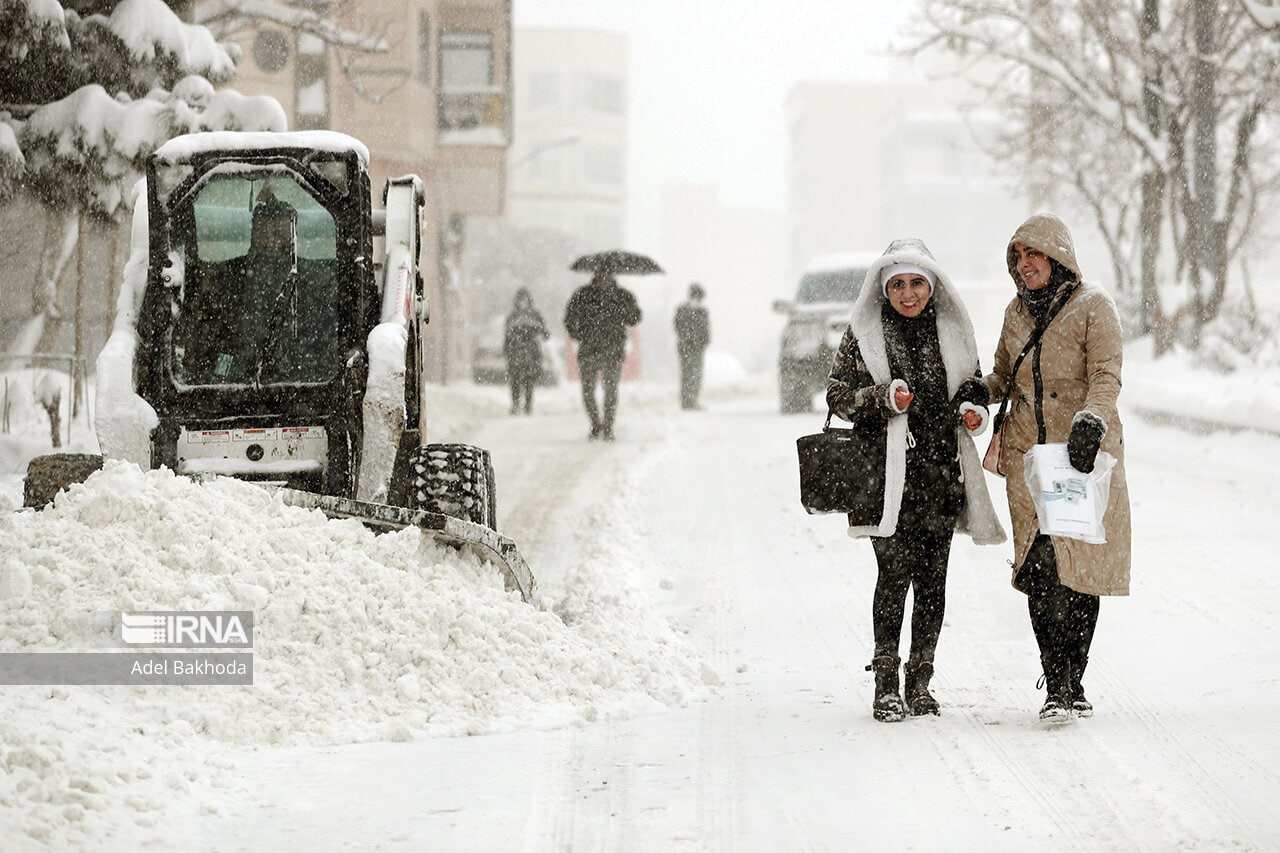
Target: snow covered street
[[697, 513]]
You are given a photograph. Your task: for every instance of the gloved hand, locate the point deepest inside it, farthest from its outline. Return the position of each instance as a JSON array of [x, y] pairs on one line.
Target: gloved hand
[[972, 391], [1082, 446]]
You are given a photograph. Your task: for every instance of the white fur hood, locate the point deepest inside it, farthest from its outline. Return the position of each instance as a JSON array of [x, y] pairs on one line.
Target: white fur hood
[[960, 357]]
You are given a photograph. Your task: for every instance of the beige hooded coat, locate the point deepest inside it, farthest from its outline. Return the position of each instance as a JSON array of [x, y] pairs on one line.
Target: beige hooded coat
[[1080, 357]]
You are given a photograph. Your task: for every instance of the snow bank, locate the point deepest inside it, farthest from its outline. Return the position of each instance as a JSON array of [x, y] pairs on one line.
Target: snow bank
[[357, 637], [1171, 386]]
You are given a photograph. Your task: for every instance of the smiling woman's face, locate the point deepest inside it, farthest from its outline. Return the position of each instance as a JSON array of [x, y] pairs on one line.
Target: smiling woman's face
[[1032, 266], [909, 294]]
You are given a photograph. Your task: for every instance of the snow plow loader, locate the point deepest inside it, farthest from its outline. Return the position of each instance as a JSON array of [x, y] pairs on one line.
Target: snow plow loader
[[270, 328]]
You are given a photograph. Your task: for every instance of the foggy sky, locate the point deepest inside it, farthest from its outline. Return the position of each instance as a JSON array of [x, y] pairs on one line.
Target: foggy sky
[[708, 79]]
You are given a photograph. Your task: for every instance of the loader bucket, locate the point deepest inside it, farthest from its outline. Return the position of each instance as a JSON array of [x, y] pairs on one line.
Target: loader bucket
[[485, 543]]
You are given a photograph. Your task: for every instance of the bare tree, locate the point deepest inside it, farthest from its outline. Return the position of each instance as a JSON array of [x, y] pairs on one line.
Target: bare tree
[[1145, 99], [351, 36]]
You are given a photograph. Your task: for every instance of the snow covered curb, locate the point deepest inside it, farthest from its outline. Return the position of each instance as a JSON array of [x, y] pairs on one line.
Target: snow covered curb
[[357, 638]]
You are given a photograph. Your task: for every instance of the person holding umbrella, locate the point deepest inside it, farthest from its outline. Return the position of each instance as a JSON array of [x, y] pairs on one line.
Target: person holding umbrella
[[597, 317]]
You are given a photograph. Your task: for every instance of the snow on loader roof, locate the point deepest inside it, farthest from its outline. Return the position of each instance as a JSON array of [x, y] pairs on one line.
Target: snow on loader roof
[[189, 145]]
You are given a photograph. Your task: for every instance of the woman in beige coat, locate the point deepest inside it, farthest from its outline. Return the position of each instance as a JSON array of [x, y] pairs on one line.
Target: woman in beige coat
[[1065, 390]]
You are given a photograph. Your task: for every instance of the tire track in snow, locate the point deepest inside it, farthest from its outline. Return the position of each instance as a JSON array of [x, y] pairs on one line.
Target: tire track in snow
[[1211, 796]]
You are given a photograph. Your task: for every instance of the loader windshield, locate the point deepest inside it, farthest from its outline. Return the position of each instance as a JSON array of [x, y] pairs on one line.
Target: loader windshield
[[256, 301]]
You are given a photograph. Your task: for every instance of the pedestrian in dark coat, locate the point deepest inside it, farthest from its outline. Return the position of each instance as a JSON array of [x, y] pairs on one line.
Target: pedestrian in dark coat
[[597, 317], [1065, 391], [522, 345], [693, 335], [908, 367]]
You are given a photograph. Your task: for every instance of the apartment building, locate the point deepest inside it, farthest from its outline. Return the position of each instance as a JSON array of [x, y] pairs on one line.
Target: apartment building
[[568, 167], [871, 162]]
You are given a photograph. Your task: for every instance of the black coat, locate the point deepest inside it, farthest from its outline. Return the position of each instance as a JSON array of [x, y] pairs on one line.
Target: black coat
[[693, 327], [522, 343], [933, 493], [598, 316]]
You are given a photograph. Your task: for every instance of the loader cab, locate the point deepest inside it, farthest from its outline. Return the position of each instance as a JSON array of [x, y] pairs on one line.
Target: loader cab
[[260, 298]]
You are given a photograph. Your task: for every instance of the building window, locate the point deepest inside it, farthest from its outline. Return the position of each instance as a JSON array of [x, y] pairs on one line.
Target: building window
[[544, 90], [603, 94], [602, 164], [424, 48], [311, 84], [545, 167], [467, 97], [466, 61], [270, 50]]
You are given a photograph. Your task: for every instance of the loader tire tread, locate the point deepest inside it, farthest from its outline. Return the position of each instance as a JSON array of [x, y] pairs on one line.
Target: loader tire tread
[[49, 474], [455, 480]]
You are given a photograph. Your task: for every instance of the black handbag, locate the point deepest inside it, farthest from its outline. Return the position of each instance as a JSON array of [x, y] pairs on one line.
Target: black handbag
[[842, 470]]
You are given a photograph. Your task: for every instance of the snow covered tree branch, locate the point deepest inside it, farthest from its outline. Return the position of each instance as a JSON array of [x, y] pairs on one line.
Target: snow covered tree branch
[[1114, 101], [1267, 15], [224, 16]]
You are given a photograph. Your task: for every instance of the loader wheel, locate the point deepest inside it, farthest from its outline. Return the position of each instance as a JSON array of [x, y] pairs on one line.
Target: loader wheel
[[455, 480], [47, 475]]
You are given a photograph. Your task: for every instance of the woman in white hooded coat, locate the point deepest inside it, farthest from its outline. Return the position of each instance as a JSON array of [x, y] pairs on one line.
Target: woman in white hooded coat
[[908, 366]]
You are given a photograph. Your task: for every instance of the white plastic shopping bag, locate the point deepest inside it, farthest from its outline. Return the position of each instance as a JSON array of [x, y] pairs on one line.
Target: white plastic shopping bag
[[1069, 503]]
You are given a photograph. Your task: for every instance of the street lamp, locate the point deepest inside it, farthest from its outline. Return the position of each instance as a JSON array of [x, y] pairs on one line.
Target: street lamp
[[571, 137]]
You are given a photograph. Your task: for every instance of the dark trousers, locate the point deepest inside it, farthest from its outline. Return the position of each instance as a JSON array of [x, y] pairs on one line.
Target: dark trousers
[[1063, 620], [521, 393], [690, 376], [915, 559], [596, 370]]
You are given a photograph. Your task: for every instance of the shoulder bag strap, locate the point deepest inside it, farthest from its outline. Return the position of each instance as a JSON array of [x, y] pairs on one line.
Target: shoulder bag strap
[[1036, 334]]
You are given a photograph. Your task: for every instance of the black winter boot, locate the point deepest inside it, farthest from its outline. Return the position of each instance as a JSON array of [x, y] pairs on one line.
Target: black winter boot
[[1057, 680], [916, 675], [887, 707], [1079, 704]]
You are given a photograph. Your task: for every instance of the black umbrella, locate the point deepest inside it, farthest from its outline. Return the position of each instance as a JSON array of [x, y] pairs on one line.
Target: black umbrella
[[616, 261]]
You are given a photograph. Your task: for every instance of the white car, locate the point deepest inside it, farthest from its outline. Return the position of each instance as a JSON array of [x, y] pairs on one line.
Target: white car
[[816, 321]]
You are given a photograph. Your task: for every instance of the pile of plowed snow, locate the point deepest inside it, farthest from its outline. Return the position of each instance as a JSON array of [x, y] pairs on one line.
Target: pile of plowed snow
[[356, 637]]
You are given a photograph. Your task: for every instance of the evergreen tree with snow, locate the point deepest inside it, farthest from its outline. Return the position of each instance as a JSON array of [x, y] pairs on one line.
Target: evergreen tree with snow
[[89, 88]]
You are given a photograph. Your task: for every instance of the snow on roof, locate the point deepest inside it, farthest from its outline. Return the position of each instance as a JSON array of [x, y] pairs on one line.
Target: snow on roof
[[192, 144], [841, 261]]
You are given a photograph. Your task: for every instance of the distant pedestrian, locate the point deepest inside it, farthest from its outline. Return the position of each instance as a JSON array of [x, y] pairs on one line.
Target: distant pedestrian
[[597, 317], [1063, 390], [908, 368], [522, 345], [693, 334]]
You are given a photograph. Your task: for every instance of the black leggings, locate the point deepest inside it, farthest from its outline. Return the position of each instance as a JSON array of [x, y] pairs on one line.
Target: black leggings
[[916, 559], [1063, 619]]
